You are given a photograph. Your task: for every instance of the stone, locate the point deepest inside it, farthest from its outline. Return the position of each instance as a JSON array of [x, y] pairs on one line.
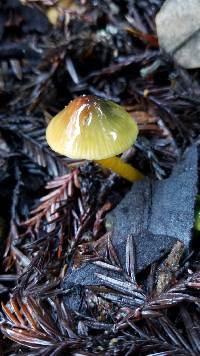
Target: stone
[[178, 30], [176, 196], [161, 207]]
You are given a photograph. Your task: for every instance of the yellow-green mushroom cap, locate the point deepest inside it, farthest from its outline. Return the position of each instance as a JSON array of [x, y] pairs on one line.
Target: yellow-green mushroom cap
[[91, 128]]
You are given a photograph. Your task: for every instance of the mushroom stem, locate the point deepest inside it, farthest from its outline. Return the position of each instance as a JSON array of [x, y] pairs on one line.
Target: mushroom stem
[[120, 167]]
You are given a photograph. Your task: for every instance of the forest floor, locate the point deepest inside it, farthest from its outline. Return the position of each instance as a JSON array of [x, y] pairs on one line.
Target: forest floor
[[53, 209]]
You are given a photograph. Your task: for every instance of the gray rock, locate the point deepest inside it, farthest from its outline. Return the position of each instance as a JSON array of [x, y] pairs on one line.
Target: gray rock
[[160, 207], [176, 196], [178, 29]]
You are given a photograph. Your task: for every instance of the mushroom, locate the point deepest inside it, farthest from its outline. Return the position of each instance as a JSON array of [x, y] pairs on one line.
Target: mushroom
[[94, 129]]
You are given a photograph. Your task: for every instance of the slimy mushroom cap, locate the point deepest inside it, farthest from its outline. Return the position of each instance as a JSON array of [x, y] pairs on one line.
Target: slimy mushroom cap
[[91, 128]]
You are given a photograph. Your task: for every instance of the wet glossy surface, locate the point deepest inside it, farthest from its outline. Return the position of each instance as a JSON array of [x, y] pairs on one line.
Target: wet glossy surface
[[91, 128]]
